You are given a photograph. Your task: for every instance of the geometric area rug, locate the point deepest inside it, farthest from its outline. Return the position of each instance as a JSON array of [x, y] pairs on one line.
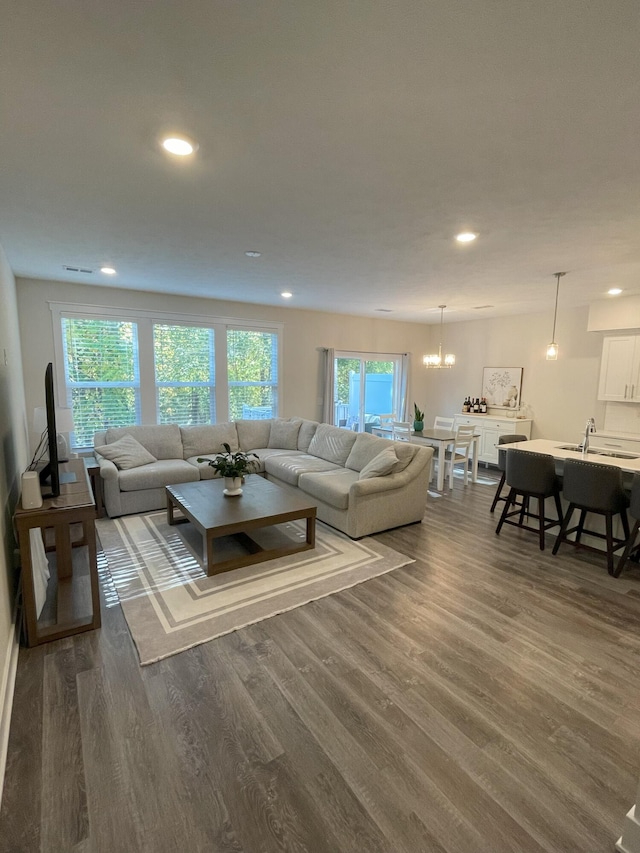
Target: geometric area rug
[[155, 571]]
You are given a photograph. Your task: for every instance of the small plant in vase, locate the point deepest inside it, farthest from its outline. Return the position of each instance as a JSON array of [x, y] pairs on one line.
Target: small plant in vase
[[418, 419], [232, 466]]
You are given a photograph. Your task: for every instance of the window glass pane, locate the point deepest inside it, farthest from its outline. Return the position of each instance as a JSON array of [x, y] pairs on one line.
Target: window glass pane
[[252, 365], [184, 358], [101, 374]]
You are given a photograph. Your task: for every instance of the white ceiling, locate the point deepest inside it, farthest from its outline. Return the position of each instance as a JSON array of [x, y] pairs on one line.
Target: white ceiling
[[347, 141]]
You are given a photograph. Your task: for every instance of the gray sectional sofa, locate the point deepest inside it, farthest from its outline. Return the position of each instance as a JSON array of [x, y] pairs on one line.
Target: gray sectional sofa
[[362, 484]]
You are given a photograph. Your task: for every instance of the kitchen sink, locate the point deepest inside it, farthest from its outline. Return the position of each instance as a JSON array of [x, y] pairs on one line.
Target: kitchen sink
[[595, 451]]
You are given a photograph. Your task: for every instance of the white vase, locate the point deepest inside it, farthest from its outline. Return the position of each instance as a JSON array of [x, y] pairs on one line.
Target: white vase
[[233, 486]]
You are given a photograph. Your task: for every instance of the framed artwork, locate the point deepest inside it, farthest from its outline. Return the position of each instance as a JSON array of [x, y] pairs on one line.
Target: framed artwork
[[502, 387]]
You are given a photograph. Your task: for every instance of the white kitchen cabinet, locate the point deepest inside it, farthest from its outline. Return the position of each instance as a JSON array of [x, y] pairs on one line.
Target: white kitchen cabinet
[[615, 441], [490, 428], [620, 369]]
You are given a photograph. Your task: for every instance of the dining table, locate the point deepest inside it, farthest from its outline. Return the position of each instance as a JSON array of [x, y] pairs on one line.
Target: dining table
[[440, 439]]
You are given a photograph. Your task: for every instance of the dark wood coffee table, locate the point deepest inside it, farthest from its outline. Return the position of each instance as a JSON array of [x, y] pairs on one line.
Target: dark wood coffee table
[[262, 504]]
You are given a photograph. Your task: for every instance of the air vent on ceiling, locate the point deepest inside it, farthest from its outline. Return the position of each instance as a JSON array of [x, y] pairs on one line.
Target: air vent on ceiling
[[384, 310], [68, 268], [480, 307]]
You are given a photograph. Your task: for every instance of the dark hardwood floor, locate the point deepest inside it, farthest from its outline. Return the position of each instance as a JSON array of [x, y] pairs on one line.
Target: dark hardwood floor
[[483, 699]]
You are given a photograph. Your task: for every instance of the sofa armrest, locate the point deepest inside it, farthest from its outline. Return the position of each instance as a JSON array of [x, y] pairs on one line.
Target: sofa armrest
[[108, 470], [389, 482]]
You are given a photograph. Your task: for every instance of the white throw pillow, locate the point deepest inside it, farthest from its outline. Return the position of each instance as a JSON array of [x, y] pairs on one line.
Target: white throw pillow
[[382, 464], [126, 453], [284, 434]]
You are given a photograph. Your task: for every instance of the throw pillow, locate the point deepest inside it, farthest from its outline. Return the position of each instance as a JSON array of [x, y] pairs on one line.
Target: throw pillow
[[126, 453], [382, 464], [284, 434]]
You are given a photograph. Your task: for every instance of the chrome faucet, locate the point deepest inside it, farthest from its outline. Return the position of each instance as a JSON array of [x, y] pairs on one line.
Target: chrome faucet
[[589, 428]]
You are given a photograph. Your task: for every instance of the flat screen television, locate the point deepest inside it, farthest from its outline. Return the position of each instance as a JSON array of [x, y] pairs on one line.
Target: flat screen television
[[50, 473]]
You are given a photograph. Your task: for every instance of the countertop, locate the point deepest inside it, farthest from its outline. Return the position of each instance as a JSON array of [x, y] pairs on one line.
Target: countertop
[[555, 449]]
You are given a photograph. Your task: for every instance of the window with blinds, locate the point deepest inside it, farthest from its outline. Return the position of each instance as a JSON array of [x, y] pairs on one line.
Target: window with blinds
[[102, 374], [184, 366], [252, 371], [124, 367]]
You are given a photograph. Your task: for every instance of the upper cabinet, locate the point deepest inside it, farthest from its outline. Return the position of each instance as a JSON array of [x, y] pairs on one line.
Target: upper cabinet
[[620, 369]]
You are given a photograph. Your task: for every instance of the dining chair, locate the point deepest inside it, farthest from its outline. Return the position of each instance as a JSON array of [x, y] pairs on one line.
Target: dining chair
[[401, 430], [443, 423], [458, 452], [387, 420], [593, 487]]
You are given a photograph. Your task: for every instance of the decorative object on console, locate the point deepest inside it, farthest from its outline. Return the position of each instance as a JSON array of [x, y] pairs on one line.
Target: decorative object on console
[[435, 359], [31, 494], [418, 422], [233, 467], [502, 387], [552, 348]]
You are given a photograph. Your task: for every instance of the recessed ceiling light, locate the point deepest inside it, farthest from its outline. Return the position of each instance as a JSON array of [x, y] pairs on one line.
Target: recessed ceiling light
[[466, 237], [286, 294], [179, 145], [108, 270], [253, 254], [614, 291]]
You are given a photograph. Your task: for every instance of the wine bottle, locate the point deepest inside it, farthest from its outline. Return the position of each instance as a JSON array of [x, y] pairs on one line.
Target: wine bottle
[[476, 406]]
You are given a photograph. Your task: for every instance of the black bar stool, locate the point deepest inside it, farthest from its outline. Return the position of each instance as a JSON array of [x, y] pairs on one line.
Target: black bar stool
[[530, 475], [634, 509], [596, 488], [502, 464]]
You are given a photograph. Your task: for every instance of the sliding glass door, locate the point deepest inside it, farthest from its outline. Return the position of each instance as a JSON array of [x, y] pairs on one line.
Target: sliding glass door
[[367, 385]]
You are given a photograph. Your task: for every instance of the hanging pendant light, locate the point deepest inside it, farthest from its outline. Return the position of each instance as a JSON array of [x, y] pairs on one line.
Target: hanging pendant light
[[552, 348], [436, 359]]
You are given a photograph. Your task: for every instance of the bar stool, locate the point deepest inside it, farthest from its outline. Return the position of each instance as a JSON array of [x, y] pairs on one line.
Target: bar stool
[[634, 509], [530, 475], [502, 464], [596, 488]]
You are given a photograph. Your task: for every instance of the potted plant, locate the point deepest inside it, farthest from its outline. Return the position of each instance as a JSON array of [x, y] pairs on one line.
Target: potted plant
[[233, 467], [418, 419]]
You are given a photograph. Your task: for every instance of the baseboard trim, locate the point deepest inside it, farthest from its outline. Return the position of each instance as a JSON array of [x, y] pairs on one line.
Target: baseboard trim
[[7, 684]]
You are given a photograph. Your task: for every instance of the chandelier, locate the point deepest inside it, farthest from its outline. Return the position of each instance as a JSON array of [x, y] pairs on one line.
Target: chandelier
[[436, 359]]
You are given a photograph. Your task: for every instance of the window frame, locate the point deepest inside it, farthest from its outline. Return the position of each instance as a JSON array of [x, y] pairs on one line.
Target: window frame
[[146, 320]]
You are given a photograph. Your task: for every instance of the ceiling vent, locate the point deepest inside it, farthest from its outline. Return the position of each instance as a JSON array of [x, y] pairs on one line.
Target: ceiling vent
[[68, 268]]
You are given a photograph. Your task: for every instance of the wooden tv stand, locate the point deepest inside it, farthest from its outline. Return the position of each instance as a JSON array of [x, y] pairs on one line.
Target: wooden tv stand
[[56, 518]]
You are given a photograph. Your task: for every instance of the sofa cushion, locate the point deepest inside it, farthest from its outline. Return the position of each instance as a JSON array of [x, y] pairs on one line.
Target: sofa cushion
[[252, 434], [208, 438], [164, 472], [365, 448], [126, 453], [284, 434], [384, 463], [332, 443], [161, 440], [289, 466], [307, 431], [331, 487]]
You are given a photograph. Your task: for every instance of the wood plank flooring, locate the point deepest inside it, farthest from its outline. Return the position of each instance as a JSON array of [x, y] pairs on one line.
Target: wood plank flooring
[[485, 698]]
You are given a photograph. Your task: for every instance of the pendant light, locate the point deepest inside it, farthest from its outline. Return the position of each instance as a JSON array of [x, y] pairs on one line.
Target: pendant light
[[436, 359], [552, 348]]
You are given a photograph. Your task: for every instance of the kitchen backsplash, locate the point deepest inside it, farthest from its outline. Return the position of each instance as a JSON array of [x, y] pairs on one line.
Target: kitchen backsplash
[[622, 417]]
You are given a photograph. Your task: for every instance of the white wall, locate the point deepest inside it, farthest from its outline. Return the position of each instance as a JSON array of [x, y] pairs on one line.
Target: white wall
[[560, 395], [13, 460]]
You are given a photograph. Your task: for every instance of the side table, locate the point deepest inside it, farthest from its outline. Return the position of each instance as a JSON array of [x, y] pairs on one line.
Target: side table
[[93, 470]]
